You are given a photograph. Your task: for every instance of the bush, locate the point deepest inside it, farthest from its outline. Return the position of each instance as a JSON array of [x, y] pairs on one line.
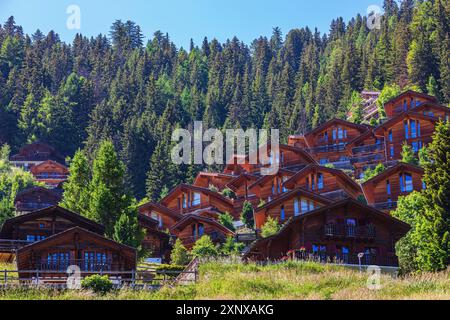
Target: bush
[[180, 255], [270, 228], [227, 220], [204, 248], [231, 247], [247, 215], [98, 284], [229, 193]]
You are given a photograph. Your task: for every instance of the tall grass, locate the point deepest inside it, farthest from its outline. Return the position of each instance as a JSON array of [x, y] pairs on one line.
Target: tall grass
[[230, 280]]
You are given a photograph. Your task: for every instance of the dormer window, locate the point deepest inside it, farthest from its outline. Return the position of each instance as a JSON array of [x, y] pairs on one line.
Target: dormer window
[[406, 182]]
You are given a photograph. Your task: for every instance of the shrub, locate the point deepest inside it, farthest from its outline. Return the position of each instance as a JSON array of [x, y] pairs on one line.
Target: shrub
[[247, 215], [270, 228], [180, 255], [229, 193], [204, 247], [227, 221], [98, 284], [369, 173], [231, 247]]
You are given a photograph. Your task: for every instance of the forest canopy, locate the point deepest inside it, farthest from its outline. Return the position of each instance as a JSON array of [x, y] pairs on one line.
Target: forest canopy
[[134, 93]]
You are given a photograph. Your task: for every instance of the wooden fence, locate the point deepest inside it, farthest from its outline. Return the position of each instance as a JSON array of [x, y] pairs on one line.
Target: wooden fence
[[144, 279]]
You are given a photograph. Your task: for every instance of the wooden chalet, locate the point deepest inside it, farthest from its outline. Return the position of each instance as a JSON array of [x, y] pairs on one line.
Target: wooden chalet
[[327, 142], [270, 187], [186, 198], [212, 179], [50, 172], [331, 183], [156, 241], [164, 216], [411, 127], [335, 233], [35, 199], [406, 101], [193, 226], [39, 225], [383, 191], [88, 250], [291, 204], [34, 154], [289, 157]]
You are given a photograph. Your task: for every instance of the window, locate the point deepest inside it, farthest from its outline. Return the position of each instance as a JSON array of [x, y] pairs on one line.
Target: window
[[313, 183], [405, 124], [416, 146], [41, 225], [323, 161], [391, 151], [325, 136], [58, 261], [320, 181], [413, 129], [305, 206], [284, 180], [311, 205], [31, 238], [334, 134], [388, 187], [424, 186], [296, 207], [351, 227], [185, 201], [95, 261], [418, 129], [340, 133], [196, 199], [406, 183], [282, 214], [201, 230], [391, 137]]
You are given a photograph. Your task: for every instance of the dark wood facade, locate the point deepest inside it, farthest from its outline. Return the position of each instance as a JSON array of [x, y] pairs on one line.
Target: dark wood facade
[[50, 172], [91, 252], [383, 191], [290, 204], [406, 101], [42, 224], [193, 226], [337, 232], [34, 154], [35, 199]]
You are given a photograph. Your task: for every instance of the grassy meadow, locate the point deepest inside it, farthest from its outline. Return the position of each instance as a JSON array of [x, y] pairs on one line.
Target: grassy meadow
[[286, 281]]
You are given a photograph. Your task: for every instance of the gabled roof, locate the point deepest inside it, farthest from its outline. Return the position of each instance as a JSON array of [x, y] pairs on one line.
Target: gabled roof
[[348, 181], [61, 212], [43, 190], [235, 183], [46, 152], [323, 126], [264, 179], [184, 187], [404, 227], [213, 175], [401, 166], [414, 93], [189, 218], [160, 209], [400, 117], [49, 240], [51, 163], [361, 137], [293, 193], [297, 150], [431, 105]]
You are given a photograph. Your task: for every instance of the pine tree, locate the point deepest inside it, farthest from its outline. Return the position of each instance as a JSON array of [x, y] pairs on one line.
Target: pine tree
[[76, 189], [408, 155]]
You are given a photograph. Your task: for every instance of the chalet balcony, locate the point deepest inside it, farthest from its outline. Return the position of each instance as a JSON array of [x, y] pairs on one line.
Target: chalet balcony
[[350, 232], [336, 195], [368, 149], [32, 206], [385, 205], [91, 265], [329, 148], [49, 176], [372, 166], [215, 237], [368, 158], [342, 165], [10, 246], [347, 258]]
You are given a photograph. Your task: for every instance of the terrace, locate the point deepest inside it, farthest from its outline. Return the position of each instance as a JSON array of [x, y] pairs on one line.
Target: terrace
[[354, 232]]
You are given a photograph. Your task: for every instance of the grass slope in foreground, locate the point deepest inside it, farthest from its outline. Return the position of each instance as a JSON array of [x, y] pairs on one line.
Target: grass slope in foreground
[[290, 280]]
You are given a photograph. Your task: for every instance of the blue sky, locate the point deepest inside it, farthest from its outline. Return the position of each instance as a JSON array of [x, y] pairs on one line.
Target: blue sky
[[184, 19]]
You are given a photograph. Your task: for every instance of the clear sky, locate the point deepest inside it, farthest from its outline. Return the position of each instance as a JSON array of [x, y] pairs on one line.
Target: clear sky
[[184, 19]]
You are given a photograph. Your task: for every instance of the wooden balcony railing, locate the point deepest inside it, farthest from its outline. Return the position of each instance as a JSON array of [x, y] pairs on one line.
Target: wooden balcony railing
[[44, 176], [12, 245], [369, 148], [367, 158], [347, 258], [385, 205], [32, 206], [329, 148], [355, 232], [90, 265], [336, 195]]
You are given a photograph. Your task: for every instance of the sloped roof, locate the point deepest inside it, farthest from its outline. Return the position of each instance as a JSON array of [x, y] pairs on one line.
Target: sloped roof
[[207, 191], [187, 219], [400, 117], [392, 170]]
